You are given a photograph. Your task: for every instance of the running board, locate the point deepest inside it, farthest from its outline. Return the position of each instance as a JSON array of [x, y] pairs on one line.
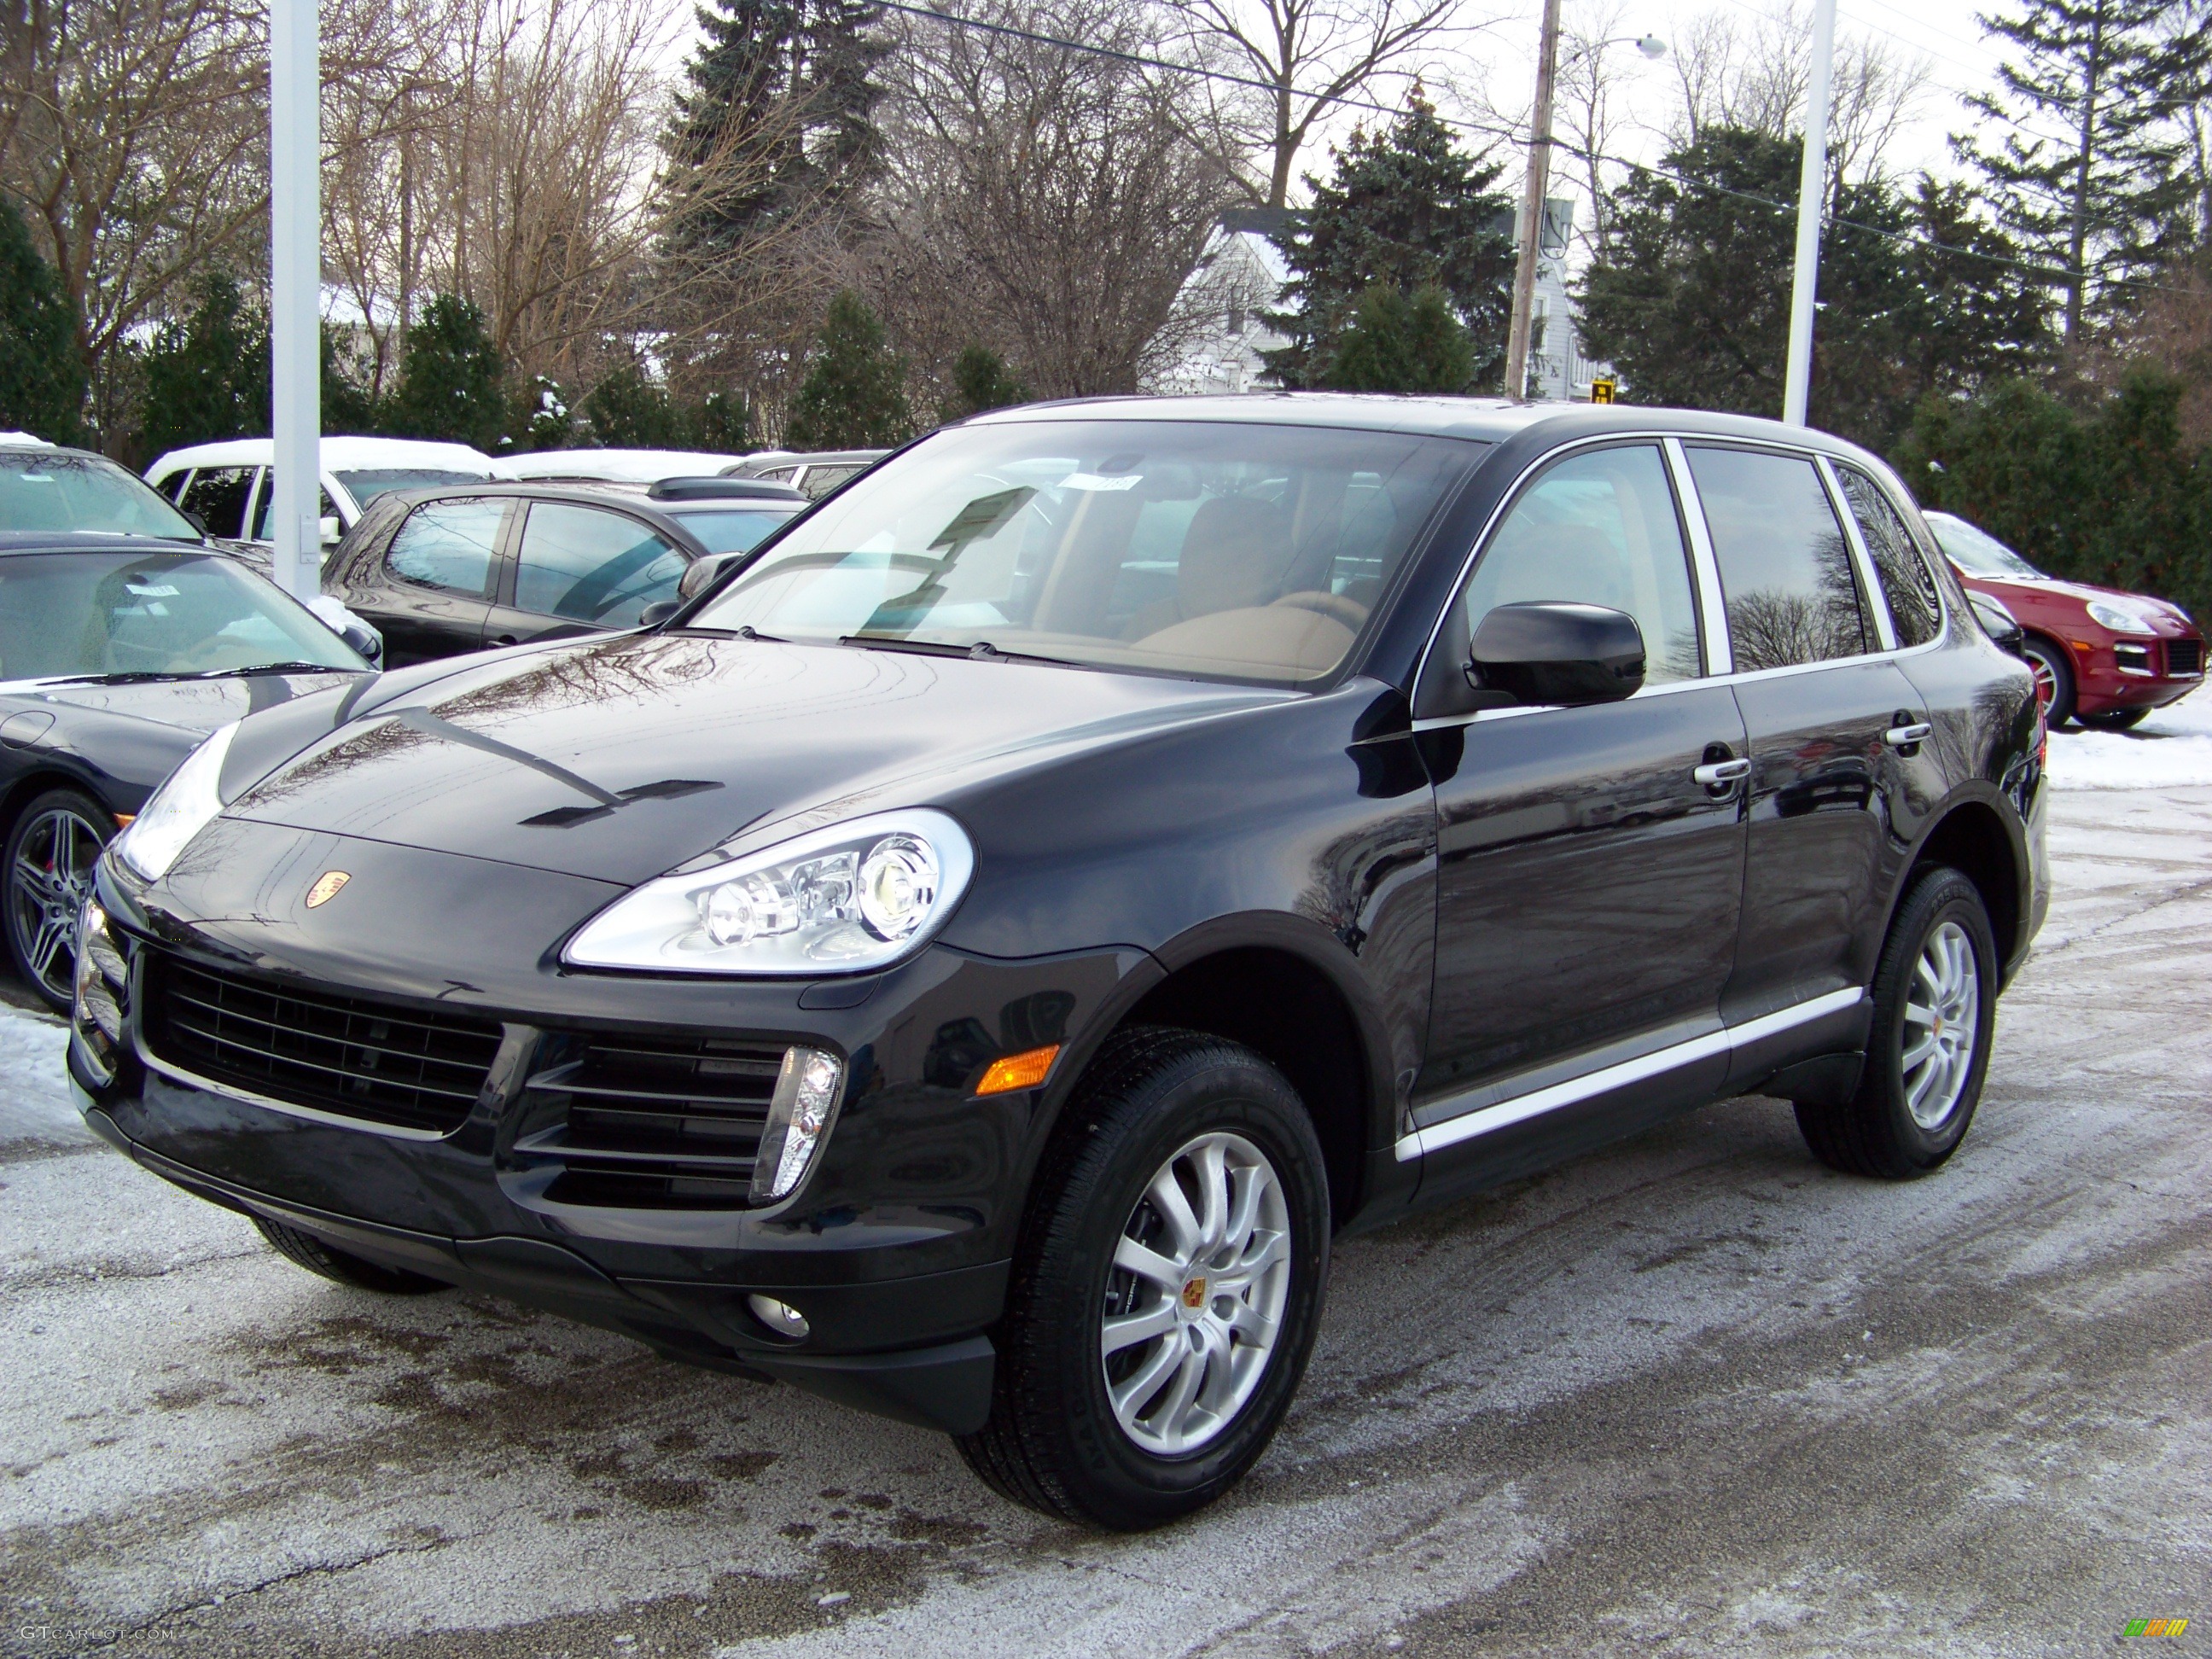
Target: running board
[[1487, 1120]]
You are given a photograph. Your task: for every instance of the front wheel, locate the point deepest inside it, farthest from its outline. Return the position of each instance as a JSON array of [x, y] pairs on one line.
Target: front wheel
[[1934, 1012], [50, 854], [1167, 1288], [2054, 678]]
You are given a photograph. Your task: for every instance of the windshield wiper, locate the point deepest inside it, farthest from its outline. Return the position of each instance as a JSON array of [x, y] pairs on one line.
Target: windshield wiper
[[133, 676], [981, 651], [272, 668]]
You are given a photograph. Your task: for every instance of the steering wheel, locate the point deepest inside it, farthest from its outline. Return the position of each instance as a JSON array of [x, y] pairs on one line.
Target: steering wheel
[[1349, 612]]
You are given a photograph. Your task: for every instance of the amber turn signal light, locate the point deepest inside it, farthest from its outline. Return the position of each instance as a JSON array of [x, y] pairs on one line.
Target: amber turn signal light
[[1023, 1071]]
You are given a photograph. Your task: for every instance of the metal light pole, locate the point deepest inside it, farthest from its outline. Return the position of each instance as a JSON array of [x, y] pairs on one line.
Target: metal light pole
[[1531, 206], [1811, 189], [295, 281]]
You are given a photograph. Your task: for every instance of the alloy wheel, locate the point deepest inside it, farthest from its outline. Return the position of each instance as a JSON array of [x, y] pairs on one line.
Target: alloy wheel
[[1942, 1015], [47, 886], [2046, 684], [1194, 1299]]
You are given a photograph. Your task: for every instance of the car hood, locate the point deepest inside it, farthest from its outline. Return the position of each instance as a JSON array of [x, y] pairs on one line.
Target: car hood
[[2050, 587], [621, 757], [193, 707]]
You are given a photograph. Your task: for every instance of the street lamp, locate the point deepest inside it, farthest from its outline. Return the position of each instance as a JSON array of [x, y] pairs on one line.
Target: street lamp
[[1538, 183], [1812, 186]]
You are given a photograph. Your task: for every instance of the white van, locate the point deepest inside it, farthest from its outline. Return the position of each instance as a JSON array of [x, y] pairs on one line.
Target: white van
[[227, 485]]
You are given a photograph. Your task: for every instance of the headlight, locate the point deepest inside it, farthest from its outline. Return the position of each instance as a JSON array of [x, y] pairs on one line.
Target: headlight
[[856, 896], [180, 809], [2119, 620]]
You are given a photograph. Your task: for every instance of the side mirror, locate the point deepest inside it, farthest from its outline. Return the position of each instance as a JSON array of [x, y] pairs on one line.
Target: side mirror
[[1998, 623], [1555, 652], [658, 612], [330, 528], [366, 640], [704, 573]]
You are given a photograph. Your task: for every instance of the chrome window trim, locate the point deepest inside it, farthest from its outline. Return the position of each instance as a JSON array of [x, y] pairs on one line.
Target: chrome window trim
[[1877, 599], [1704, 567], [1519, 1108], [177, 1074]]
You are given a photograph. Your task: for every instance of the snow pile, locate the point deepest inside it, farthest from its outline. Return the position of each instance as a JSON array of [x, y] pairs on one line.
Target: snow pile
[[34, 1095], [2171, 749]]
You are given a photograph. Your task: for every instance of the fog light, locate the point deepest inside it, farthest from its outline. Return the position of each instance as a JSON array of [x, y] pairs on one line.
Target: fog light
[[805, 1094], [779, 1316]]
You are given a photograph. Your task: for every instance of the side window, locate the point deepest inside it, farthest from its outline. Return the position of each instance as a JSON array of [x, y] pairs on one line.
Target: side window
[[448, 546], [325, 507], [1599, 528], [819, 481], [172, 485], [1785, 567], [1907, 582], [592, 567], [218, 495]]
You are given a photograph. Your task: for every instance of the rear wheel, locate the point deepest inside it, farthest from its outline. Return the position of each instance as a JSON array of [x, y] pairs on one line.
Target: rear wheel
[[2054, 678], [50, 854], [307, 1251], [1167, 1288], [1935, 1009], [2114, 720]]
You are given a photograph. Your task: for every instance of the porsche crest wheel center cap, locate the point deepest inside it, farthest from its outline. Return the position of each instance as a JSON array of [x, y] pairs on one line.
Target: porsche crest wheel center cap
[[1194, 1295]]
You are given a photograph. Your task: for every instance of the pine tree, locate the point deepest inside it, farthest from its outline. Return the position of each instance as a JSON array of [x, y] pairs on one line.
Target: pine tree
[[42, 378], [1407, 208], [1394, 343], [206, 374], [724, 423], [981, 380], [2110, 202], [779, 112], [854, 394], [627, 411], [450, 380]]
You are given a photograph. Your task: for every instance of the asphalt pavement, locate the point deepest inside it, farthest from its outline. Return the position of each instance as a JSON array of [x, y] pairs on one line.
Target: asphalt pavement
[[1694, 1395]]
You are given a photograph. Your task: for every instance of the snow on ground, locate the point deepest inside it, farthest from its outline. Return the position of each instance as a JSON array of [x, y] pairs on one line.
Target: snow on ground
[[2171, 749], [35, 1095]]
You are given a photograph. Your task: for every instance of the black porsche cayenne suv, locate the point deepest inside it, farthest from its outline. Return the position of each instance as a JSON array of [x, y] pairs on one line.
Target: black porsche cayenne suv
[[971, 961]]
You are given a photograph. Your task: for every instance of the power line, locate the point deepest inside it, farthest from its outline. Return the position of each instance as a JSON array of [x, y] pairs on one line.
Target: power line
[[935, 15]]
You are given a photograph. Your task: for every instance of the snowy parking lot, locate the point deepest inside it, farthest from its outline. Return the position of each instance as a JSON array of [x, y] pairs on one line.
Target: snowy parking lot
[[1695, 1394]]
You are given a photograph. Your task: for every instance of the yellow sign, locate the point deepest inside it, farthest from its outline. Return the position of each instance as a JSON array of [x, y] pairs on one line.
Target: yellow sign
[[1602, 388]]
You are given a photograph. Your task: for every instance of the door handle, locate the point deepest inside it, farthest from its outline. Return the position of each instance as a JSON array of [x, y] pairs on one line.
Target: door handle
[[502, 639], [1714, 774], [1903, 736]]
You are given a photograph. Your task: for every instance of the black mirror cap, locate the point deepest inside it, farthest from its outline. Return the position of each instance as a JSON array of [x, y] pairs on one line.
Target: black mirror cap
[[365, 640], [1998, 623], [658, 612], [1552, 651]]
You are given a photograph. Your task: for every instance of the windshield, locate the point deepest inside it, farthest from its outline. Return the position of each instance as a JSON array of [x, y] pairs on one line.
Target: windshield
[[734, 533], [366, 484], [1240, 552], [1977, 551], [150, 614], [63, 492]]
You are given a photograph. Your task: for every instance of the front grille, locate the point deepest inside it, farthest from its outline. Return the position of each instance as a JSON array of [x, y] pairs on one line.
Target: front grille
[[662, 1123], [353, 1056], [2185, 657]]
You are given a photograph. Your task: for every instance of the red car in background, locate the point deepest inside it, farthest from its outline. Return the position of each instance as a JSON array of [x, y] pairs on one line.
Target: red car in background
[[2102, 656]]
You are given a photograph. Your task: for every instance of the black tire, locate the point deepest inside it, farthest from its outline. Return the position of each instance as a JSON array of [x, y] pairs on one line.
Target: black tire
[[1053, 1441], [311, 1252], [60, 826], [2115, 720], [1876, 1133], [2048, 657]]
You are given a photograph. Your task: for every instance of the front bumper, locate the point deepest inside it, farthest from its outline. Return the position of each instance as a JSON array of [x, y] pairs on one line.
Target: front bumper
[[895, 1247], [2135, 672]]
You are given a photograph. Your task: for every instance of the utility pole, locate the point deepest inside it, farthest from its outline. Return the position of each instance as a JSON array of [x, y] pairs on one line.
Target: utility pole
[[295, 283], [1531, 206], [1811, 192]]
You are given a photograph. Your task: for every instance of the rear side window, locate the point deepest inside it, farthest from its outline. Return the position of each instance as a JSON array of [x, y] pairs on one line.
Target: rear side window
[[1599, 528], [448, 546], [1906, 583], [218, 495], [592, 567], [325, 507], [1785, 567]]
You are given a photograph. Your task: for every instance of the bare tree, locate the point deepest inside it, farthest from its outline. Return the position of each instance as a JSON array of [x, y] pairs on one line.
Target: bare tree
[[1049, 204], [1754, 77], [133, 136], [1309, 54]]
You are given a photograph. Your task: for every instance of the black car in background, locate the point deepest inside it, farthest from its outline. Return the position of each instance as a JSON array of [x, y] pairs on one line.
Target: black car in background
[[971, 961], [118, 656], [447, 571]]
